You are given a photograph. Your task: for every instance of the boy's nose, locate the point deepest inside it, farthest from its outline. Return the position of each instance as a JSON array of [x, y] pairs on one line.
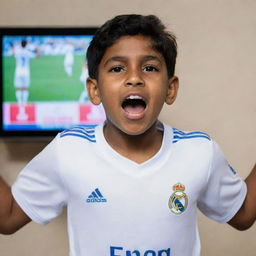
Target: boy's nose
[[134, 79]]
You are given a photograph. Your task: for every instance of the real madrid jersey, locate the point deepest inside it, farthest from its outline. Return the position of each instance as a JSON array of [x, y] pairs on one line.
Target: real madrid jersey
[[23, 56], [117, 207]]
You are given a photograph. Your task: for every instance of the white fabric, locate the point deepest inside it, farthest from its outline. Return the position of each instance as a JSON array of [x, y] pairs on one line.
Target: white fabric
[[22, 70], [120, 208], [69, 55], [225, 188]]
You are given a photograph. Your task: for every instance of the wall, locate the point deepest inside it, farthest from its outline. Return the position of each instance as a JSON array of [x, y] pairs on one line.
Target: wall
[[216, 66]]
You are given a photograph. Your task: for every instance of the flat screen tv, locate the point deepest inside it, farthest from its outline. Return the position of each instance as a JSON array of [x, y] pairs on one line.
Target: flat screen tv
[[42, 75]]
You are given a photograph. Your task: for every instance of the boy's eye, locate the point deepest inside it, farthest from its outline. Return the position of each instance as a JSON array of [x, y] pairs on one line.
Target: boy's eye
[[116, 69], [150, 68]]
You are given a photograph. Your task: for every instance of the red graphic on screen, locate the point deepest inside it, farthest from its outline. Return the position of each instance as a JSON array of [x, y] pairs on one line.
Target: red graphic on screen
[[85, 110], [24, 114]]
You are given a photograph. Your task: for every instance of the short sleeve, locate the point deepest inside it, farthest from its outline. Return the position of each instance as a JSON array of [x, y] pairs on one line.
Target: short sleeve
[[224, 192], [39, 190]]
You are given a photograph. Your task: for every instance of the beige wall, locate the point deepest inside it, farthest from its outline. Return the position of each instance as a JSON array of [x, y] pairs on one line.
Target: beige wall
[[216, 66]]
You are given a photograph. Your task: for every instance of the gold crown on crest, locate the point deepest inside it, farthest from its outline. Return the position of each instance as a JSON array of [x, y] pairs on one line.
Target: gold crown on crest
[[178, 187]]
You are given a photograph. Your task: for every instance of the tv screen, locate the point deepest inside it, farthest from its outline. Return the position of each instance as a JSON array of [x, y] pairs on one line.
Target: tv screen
[[43, 74]]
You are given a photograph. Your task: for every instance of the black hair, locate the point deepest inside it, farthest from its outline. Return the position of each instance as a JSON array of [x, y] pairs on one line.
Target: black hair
[[131, 25], [24, 43]]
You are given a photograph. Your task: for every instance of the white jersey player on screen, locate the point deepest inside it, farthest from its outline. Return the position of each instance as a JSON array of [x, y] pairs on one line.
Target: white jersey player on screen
[[69, 59], [22, 76], [83, 77]]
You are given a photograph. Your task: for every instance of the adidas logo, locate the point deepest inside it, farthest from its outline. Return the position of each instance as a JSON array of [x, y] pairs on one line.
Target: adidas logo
[[96, 197]]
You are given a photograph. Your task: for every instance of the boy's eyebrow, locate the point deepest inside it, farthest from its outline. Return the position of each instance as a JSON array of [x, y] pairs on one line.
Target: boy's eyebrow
[[123, 58], [114, 58], [150, 57]]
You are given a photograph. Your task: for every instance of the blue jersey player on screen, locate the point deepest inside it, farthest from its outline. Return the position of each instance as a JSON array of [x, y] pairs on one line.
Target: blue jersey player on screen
[[133, 184]]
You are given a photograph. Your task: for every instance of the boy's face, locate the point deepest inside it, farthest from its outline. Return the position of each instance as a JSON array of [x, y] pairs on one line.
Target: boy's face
[[132, 84]]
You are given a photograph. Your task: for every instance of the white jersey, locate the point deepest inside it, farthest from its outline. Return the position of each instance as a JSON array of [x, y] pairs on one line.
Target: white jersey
[[22, 70], [23, 56], [84, 75], [69, 55], [117, 207]]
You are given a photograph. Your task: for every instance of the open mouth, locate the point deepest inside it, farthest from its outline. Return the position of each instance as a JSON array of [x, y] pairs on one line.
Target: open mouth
[[134, 105]]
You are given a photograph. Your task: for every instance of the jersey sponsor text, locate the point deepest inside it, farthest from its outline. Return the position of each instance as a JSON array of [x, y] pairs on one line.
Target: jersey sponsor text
[[120, 251]]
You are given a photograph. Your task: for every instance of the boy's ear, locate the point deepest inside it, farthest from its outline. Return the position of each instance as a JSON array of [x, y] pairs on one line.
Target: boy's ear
[[172, 91], [93, 91]]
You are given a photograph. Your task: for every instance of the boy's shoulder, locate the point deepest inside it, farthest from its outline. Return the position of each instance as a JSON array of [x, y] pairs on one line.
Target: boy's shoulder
[[79, 133], [193, 144], [191, 136]]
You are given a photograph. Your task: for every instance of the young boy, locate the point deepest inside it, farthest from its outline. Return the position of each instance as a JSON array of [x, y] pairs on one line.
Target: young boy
[[131, 185]]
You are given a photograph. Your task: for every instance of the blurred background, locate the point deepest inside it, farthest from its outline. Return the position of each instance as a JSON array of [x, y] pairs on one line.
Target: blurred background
[[216, 66]]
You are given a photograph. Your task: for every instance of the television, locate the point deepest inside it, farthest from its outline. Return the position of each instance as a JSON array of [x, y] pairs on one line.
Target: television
[[43, 72]]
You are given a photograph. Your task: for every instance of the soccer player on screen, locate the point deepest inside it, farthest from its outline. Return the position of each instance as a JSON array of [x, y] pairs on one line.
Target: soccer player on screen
[[69, 59], [22, 76], [83, 77]]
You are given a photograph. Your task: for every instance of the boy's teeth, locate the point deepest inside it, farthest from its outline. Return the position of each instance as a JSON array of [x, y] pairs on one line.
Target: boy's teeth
[[132, 97]]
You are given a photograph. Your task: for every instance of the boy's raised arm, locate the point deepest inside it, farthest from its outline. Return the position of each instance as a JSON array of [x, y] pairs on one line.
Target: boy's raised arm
[[246, 216], [12, 217]]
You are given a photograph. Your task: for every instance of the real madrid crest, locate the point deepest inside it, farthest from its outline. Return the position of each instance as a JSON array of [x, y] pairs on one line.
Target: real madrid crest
[[178, 201]]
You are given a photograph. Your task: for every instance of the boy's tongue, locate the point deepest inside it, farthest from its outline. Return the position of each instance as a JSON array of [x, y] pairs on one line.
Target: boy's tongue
[[134, 109]]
